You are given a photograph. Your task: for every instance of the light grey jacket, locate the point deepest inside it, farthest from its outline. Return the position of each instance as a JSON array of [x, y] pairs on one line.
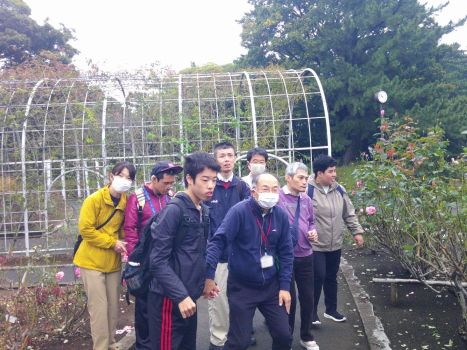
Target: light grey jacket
[[333, 212]]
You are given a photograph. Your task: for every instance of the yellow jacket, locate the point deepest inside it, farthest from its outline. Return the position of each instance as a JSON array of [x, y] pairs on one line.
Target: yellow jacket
[[96, 250]]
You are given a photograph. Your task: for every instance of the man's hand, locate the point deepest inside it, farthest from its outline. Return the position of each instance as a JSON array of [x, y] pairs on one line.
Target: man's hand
[[313, 235], [285, 299], [187, 307], [358, 239], [211, 290], [119, 247]]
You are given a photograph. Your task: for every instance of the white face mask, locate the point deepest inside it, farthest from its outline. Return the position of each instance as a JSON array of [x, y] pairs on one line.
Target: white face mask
[[267, 200], [120, 184], [257, 168]]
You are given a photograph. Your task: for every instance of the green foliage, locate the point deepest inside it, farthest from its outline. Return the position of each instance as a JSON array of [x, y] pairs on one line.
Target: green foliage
[[420, 200], [21, 38], [360, 47]]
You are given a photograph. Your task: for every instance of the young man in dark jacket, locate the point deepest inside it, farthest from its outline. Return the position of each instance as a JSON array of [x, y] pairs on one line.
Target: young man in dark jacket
[[140, 207], [229, 191], [260, 259], [177, 264]]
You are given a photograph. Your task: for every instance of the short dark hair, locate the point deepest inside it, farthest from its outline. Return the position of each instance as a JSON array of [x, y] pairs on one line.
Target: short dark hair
[[257, 151], [170, 172], [196, 163], [223, 145], [119, 167], [322, 162]]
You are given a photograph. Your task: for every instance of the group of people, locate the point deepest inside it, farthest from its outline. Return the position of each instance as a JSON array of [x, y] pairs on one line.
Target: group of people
[[242, 243]]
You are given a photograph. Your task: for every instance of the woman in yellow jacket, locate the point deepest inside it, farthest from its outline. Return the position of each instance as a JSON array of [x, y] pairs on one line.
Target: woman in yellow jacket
[[99, 254]]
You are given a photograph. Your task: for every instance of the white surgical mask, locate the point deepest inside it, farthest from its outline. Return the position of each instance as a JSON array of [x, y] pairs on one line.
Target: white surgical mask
[[267, 200], [257, 168], [120, 184]]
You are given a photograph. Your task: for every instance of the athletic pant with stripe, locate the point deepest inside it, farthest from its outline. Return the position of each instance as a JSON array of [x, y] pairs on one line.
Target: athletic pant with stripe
[[168, 330]]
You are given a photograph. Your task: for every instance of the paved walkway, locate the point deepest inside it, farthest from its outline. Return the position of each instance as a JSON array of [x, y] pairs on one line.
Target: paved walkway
[[329, 336]]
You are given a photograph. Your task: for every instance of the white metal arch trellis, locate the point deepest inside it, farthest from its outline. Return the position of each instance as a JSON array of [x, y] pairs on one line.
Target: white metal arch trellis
[[59, 136]]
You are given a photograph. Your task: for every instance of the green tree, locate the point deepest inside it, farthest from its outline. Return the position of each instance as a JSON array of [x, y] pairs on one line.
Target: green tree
[[22, 38], [359, 47]]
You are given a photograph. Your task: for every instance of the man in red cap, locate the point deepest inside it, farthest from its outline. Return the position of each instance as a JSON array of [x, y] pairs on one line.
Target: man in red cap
[[141, 206]]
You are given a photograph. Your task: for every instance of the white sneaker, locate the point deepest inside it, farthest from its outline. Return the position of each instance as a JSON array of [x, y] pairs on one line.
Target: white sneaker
[[309, 345]]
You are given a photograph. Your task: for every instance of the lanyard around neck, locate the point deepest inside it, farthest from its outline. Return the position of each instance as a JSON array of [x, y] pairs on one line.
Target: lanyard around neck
[[148, 198], [264, 236]]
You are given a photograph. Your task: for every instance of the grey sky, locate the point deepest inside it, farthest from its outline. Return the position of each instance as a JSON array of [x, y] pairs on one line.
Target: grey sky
[[125, 35]]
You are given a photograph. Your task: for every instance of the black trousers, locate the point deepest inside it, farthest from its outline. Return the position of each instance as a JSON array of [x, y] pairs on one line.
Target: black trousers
[[243, 301], [303, 277], [141, 323], [168, 330], [326, 266]]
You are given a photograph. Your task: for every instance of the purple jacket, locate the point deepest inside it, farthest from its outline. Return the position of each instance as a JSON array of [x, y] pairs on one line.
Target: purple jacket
[[131, 216], [306, 222]]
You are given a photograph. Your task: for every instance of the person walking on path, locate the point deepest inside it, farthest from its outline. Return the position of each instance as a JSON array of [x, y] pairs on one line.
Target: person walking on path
[[299, 208], [333, 212], [256, 232], [141, 206], [99, 253], [229, 191], [177, 258]]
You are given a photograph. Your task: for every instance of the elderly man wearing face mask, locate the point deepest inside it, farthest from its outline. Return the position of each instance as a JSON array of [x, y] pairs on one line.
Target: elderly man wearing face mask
[[256, 161], [260, 265]]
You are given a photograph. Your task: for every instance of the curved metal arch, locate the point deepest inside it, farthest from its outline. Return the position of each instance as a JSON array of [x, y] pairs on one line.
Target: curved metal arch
[[23, 165], [325, 108], [2, 162], [46, 216], [290, 140], [272, 111], [299, 77], [253, 108]]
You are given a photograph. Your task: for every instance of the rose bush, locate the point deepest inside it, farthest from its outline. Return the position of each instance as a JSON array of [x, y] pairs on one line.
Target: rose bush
[[415, 204], [46, 310]]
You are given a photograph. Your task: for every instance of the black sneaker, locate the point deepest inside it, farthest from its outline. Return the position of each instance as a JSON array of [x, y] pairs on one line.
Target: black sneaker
[[335, 316], [215, 347], [315, 320]]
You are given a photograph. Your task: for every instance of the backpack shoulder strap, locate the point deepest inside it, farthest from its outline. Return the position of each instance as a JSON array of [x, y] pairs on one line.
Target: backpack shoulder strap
[[141, 200], [340, 190], [183, 224], [310, 191]]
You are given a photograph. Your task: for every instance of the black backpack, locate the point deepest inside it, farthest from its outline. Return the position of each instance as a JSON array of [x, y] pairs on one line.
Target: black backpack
[[136, 273]]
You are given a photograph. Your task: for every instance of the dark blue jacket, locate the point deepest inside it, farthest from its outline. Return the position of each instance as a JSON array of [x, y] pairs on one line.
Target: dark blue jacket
[[239, 230], [222, 200], [179, 271]]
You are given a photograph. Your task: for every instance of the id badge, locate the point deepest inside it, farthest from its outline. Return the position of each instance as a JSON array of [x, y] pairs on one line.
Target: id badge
[[267, 261]]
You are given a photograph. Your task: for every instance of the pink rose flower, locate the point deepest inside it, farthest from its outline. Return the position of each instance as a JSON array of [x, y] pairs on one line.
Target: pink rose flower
[[370, 210], [77, 272], [359, 184], [59, 276]]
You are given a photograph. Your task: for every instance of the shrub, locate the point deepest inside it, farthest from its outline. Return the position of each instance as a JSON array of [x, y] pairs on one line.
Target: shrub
[[412, 202], [45, 311]]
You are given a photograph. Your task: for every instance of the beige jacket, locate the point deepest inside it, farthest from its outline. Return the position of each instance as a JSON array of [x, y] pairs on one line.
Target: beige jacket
[[332, 212]]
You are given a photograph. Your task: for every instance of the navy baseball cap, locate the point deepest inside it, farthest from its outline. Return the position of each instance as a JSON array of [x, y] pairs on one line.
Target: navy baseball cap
[[166, 167]]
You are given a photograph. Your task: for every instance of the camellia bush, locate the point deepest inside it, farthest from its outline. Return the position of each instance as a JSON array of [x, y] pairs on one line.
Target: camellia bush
[[412, 201]]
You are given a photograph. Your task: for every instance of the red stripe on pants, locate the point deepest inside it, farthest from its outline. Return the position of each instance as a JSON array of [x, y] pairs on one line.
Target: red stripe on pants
[[166, 329], [170, 324]]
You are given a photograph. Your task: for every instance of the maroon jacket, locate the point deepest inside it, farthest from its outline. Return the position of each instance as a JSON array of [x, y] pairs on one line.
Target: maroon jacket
[[131, 216]]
